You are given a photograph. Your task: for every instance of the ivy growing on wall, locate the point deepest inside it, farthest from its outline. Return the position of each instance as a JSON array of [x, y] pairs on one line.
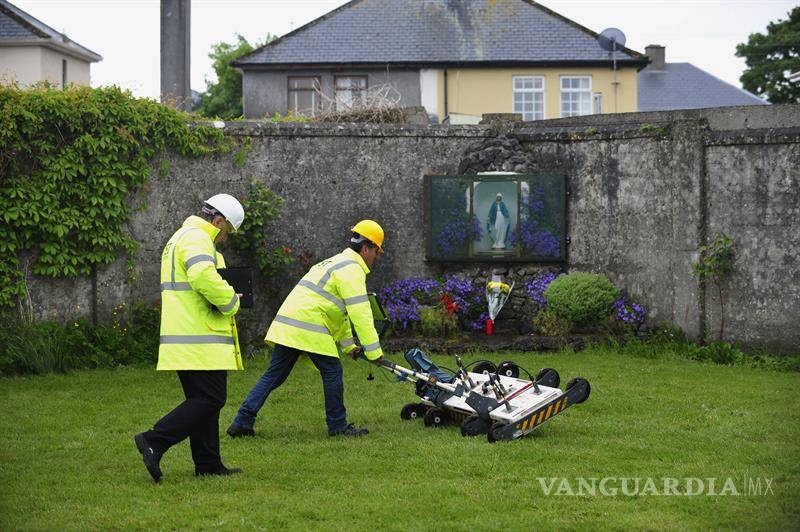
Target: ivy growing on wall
[[69, 162], [262, 209]]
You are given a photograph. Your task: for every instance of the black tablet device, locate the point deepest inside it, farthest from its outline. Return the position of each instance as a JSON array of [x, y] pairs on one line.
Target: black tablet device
[[378, 314], [241, 279]]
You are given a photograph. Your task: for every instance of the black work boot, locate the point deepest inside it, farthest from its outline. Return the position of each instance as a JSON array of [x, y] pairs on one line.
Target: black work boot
[[222, 471], [238, 431], [150, 457], [349, 430]]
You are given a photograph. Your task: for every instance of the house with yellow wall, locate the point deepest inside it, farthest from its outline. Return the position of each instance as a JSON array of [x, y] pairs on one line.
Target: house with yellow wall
[[457, 58]]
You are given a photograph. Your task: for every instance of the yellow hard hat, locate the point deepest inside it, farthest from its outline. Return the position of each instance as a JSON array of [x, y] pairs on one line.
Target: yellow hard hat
[[371, 231]]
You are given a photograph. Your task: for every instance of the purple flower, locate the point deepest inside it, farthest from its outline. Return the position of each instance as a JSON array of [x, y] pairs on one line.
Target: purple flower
[[458, 232], [401, 299], [533, 235], [536, 287], [630, 313]]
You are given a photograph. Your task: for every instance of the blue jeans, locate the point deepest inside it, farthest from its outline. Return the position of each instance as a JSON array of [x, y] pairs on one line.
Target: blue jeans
[[283, 360]]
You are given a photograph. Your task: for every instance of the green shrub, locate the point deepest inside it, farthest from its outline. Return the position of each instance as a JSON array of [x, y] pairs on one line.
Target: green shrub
[[45, 347], [435, 322], [581, 298], [548, 324]]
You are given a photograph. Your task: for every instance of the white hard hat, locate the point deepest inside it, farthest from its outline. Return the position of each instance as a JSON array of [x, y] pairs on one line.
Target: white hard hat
[[229, 207]]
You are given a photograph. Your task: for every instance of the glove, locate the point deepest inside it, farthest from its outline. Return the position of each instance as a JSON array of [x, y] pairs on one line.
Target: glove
[[356, 353]]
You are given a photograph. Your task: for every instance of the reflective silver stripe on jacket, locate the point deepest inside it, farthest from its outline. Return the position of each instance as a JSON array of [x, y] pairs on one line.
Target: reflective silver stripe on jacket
[[230, 305], [338, 266], [196, 339], [199, 258], [372, 347], [356, 299], [347, 343], [322, 292], [181, 287], [313, 327]]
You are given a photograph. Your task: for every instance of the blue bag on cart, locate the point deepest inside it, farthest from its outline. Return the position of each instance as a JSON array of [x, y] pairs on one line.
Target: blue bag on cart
[[418, 361]]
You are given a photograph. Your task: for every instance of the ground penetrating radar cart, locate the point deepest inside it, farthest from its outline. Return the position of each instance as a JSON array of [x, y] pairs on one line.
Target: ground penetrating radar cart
[[485, 399]]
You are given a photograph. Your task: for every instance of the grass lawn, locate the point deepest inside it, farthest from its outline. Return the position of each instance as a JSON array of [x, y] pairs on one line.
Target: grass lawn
[[67, 459]]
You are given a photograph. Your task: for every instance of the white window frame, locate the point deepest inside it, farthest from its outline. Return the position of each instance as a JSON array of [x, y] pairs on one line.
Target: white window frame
[[562, 90], [346, 97], [534, 90]]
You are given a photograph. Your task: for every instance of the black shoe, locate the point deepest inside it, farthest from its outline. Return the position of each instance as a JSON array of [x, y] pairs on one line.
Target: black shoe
[[237, 431], [151, 458], [223, 472], [349, 430]]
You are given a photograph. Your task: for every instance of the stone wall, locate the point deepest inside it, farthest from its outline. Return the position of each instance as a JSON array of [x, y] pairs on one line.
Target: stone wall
[[643, 195]]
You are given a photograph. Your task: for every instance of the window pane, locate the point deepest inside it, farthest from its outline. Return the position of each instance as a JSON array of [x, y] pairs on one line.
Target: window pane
[[344, 98], [518, 97], [303, 101], [302, 83], [517, 83]]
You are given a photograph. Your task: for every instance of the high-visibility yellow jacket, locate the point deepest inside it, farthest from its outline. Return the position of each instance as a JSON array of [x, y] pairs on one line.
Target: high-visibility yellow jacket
[[198, 331], [317, 314]]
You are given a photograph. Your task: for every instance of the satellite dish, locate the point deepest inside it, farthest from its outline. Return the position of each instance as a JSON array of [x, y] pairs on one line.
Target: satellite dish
[[611, 39]]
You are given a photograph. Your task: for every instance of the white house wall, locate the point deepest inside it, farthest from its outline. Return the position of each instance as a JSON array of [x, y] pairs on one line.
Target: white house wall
[[22, 64], [29, 64]]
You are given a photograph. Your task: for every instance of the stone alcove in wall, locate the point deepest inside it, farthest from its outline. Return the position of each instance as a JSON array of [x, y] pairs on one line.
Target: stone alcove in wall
[[507, 155]]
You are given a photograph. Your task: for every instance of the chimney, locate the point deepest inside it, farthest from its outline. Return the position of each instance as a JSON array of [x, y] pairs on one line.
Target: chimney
[[656, 54]]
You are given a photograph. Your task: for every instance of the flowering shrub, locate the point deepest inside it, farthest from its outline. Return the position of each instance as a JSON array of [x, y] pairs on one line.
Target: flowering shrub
[[469, 300], [401, 299], [535, 288], [629, 313], [457, 295]]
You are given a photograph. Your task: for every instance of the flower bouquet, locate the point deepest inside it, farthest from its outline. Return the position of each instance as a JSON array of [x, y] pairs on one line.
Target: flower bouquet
[[497, 293]]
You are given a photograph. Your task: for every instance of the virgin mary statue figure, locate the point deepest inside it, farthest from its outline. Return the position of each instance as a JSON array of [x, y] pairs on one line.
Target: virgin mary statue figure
[[499, 221]]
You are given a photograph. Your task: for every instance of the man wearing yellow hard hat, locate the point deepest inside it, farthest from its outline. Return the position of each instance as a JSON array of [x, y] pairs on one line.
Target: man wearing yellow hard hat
[[317, 318]]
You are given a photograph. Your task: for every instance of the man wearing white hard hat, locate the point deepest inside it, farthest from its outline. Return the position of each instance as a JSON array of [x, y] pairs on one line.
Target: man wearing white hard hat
[[198, 337]]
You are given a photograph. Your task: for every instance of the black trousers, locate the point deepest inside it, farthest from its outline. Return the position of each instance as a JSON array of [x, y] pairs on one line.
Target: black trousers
[[196, 418]]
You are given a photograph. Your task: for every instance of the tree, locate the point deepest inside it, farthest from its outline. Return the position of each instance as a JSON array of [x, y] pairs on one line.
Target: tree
[[716, 264], [771, 58], [223, 99]]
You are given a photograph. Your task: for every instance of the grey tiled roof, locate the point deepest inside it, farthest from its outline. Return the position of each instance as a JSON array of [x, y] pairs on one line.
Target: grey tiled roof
[[684, 86], [16, 25], [437, 31]]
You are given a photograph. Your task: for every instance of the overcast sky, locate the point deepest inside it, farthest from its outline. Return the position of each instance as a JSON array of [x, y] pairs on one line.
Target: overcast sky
[[126, 32]]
